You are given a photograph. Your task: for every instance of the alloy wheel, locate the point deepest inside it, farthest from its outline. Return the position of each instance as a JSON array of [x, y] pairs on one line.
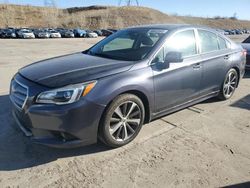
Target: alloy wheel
[[125, 121], [230, 84]]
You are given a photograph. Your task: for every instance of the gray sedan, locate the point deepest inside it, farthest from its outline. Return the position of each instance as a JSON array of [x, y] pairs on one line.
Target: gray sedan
[[128, 79]]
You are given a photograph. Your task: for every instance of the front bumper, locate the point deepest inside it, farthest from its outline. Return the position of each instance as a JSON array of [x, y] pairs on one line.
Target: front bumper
[[28, 36], [69, 35], [43, 36], [55, 36], [61, 126]]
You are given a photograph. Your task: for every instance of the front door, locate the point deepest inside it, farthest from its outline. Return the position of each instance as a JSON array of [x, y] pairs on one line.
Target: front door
[[180, 82]]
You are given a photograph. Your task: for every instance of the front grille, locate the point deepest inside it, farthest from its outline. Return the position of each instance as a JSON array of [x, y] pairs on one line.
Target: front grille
[[18, 93]]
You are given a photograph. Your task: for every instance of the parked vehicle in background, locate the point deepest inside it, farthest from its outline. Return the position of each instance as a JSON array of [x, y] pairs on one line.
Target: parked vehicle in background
[[79, 33], [130, 78], [220, 31], [113, 30], [54, 34], [232, 32], [226, 32], [246, 45], [67, 33], [106, 32], [7, 33], [91, 34], [98, 32], [40, 33], [238, 32], [247, 31], [26, 34]]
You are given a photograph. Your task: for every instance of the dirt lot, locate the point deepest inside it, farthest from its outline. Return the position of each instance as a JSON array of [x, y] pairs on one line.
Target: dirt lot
[[206, 145]]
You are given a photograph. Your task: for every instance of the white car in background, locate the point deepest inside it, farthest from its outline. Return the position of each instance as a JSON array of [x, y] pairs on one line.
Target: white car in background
[[91, 34], [55, 34], [26, 34]]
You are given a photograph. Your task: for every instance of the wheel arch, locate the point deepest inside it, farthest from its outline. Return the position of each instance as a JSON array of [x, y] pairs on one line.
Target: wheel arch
[[142, 96], [145, 102]]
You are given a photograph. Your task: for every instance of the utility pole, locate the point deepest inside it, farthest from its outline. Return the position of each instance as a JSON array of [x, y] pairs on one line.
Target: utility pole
[[128, 2]]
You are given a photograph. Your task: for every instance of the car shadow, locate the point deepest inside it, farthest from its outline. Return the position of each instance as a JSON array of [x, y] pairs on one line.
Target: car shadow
[[215, 99], [211, 100], [243, 103], [240, 185], [247, 74], [17, 152]]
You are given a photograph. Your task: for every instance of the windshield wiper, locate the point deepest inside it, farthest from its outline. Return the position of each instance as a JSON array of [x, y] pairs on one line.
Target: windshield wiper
[[100, 55], [108, 56]]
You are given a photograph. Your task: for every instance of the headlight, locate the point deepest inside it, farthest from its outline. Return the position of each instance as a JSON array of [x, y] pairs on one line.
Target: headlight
[[65, 95]]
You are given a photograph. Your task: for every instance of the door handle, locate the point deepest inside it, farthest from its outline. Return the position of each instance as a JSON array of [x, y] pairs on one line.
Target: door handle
[[226, 57], [197, 66]]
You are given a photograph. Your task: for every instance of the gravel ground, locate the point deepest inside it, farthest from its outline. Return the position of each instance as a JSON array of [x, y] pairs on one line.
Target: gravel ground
[[206, 145]]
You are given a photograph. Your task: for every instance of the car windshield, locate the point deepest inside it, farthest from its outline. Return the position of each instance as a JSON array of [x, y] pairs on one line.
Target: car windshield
[[25, 31], [128, 45]]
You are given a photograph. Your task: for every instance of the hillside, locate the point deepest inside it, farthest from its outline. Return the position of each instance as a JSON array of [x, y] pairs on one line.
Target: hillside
[[100, 17]]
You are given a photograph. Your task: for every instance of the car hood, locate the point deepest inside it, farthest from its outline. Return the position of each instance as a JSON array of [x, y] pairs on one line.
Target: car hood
[[72, 69]]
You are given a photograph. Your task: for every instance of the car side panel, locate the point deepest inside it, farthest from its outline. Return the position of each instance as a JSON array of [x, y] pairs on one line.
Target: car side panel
[[177, 84], [138, 79], [214, 66]]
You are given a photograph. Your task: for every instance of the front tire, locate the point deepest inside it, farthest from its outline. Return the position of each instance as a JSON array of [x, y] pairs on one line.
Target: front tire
[[229, 85], [122, 121]]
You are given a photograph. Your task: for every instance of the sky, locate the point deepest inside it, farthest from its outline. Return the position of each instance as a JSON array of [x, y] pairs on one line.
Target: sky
[[204, 8]]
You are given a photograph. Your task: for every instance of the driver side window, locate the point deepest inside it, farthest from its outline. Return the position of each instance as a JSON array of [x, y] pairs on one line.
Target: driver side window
[[183, 42]]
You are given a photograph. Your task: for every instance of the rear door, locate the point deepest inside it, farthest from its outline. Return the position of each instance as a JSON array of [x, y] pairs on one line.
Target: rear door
[[215, 53]]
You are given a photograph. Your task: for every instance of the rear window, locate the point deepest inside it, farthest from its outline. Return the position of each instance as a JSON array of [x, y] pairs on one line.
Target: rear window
[[208, 41], [222, 43]]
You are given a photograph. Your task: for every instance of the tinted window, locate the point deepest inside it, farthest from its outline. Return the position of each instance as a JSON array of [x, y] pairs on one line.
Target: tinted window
[[183, 42], [208, 41], [222, 43]]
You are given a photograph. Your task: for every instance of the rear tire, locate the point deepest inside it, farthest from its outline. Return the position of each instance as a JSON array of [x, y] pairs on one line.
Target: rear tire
[[122, 121], [229, 85]]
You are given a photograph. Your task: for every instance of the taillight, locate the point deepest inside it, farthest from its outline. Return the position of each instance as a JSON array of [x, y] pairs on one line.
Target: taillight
[[244, 52]]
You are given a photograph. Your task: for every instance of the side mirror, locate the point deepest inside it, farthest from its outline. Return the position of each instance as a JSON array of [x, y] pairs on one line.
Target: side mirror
[[173, 57]]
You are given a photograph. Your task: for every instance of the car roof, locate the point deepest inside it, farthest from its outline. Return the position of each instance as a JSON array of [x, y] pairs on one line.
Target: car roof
[[170, 26]]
